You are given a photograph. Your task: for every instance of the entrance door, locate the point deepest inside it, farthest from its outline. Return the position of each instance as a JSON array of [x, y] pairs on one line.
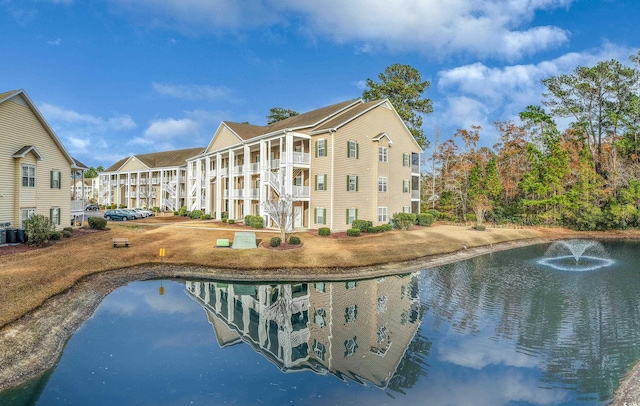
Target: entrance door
[[297, 217]]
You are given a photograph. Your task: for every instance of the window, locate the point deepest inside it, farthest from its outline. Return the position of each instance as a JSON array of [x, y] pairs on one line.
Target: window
[[321, 148], [350, 347], [320, 287], [382, 184], [28, 176], [382, 304], [406, 209], [297, 181], [318, 349], [405, 186], [54, 214], [352, 183], [321, 215], [352, 149], [321, 182], [352, 214], [25, 214], [382, 154], [351, 285], [383, 334], [319, 317], [351, 313], [405, 160], [55, 179], [382, 214]]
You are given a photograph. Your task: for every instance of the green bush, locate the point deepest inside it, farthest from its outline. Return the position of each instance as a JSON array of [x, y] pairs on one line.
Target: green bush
[[324, 231], [470, 217], [231, 221], [123, 206], [362, 225], [480, 227], [375, 229], [404, 221], [39, 229], [385, 227], [196, 214], [176, 213], [69, 229], [205, 217], [275, 241], [353, 232], [425, 219], [67, 233], [55, 236], [156, 209], [224, 220], [254, 221], [435, 213], [114, 206], [293, 240], [97, 223], [183, 211], [224, 215]]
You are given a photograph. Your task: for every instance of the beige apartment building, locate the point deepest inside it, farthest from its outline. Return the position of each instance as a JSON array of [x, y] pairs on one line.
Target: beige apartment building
[[36, 170], [351, 160], [147, 180]]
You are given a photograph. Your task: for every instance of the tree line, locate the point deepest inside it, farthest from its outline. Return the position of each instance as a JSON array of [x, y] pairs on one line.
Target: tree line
[[586, 177]]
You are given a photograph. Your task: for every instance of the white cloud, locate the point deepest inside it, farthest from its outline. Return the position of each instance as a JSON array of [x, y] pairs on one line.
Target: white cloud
[[483, 28], [55, 42], [194, 129], [170, 128], [192, 92]]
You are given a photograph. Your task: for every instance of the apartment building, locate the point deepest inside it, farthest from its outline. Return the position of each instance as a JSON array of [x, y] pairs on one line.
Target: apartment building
[[147, 180], [351, 160]]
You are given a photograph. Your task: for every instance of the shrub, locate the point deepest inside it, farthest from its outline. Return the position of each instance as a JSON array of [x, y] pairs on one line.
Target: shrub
[[196, 214], [324, 231], [404, 221], [67, 233], [205, 217], [183, 211], [362, 225], [479, 227], [254, 221], [375, 229], [470, 217], [123, 206], [224, 215], [176, 213], [275, 241], [97, 223], [55, 236], [156, 209], [114, 206], [293, 240], [425, 219], [353, 232], [231, 221], [69, 229], [385, 227], [435, 213], [39, 229], [224, 219]]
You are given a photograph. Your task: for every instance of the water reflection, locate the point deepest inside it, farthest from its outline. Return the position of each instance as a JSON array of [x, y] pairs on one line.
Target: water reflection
[[355, 329]]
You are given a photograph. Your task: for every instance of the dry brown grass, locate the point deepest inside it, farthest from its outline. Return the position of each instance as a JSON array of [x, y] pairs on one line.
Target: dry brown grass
[[28, 279]]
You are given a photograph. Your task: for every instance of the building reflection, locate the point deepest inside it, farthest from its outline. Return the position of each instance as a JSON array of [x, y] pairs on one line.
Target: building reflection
[[359, 330]]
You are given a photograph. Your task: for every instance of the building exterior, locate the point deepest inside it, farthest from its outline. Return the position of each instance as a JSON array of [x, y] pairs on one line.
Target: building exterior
[[359, 330], [35, 168], [147, 180], [86, 189], [351, 160]]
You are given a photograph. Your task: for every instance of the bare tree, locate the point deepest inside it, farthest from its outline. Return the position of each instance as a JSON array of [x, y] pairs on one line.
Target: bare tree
[[280, 211]]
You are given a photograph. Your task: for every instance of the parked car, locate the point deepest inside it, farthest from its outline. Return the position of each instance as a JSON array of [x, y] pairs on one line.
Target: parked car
[[92, 207], [144, 212], [119, 215], [136, 214]]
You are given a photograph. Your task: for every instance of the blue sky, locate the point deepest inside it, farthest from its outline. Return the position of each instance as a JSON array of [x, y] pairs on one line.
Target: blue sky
[[121, 77]]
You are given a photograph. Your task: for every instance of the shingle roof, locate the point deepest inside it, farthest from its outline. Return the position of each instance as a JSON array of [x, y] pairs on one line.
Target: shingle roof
[[160, 159], [309, 119], [346, 116], [7, 94]]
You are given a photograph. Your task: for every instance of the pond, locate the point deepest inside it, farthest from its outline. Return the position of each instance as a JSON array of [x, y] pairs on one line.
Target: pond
[[526, 326]]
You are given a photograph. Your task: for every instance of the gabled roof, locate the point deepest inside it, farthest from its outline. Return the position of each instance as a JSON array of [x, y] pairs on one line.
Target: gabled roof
[[344, 118], [160, 159], [79, 165], [306, 120], [13, 93], [22, 152]]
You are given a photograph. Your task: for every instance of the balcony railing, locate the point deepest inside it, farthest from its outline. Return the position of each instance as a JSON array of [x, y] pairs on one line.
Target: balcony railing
[[275, 163], [415, 194], [238, 169], [254, 167], [77, 206], [415, 168], [301, 158], [301, 191], [224, 172]]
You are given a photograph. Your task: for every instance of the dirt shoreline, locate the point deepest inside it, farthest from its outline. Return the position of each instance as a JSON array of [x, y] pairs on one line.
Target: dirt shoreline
[[32, 344]]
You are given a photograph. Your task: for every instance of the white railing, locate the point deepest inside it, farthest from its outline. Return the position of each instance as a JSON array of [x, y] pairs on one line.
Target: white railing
[[169, 203], [253, 194], [415, 168], [274, 181], [144, 181], [123, 181], [224, 172], [254, 167], [301, 191], [238, 169], [192, 189], [213, 173], [275, 163], [155, 181], [415, 194], [193, 205], [226, 194], [170, 187], [301, 158], [203, 202]]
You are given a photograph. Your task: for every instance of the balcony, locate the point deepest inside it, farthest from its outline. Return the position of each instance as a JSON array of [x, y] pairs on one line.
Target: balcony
[[238, 169], [415, 168], [301, 158], [415, 195], [301, 191], [275, 163], [254, 167]]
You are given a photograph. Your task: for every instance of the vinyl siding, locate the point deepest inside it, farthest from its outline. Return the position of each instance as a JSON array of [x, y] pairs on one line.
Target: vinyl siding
[[223, 138], [19, 126], [134, 165]]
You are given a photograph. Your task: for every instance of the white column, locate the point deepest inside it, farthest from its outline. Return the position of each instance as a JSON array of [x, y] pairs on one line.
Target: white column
[[198, 182], [232, 188], [207, 184], [288, 184], [218, 205], [247, 180]]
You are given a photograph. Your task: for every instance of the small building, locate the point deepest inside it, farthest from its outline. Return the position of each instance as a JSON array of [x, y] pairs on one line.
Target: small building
[[35, 167]]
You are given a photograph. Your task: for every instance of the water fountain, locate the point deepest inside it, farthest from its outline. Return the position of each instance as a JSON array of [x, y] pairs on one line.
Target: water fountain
[[576, 255]]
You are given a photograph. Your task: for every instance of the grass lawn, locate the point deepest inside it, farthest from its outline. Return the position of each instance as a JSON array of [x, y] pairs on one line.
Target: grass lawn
[[29, 278]]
